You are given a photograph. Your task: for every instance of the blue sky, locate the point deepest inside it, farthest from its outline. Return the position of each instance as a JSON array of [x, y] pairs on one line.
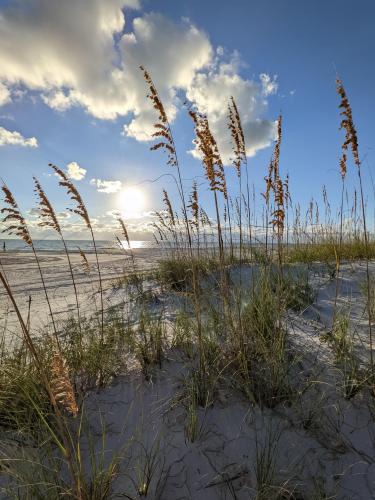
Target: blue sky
[[69, 80]]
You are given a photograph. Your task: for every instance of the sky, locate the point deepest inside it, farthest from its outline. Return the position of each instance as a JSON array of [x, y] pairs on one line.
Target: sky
[[71, 93]]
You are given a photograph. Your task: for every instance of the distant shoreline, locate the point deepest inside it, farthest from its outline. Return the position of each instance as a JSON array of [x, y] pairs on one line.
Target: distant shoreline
[[74, 246]]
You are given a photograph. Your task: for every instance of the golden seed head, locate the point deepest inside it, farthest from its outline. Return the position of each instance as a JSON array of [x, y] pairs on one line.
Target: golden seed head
[[74, 194], [13, 215], [238, 137], [61, 385], [47, 213], [208, 148], [168, 204], [163, 129], [124, 231], [84, 262], [347, 123]]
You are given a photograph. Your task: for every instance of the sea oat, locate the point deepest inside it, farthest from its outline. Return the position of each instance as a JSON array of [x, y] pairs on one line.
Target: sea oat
[[168, 204], [61, 385], [238, 138], [48, 218], [343, 165], [124, 231], [204, 218], [14, 216], [268, 180], [209, 151], [74, 195], [46, 210], [163, 130], [274, 183], [351, 139], [286, 191], [194, 205], [83, 213], [84, 262], [347, 123], [279, 213]]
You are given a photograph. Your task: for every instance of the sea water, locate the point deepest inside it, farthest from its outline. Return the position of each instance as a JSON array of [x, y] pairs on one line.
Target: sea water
[[73, 245]]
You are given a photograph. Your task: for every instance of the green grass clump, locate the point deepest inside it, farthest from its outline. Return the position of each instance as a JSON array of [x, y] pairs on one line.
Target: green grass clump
[[92, 355], [21, 392], [369, 297], [296, 291], [327, 250], [342, 342], [265, 363], [176, 272]]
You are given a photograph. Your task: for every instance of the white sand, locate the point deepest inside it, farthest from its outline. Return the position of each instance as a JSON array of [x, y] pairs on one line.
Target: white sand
[[23, 275], [323, 440]]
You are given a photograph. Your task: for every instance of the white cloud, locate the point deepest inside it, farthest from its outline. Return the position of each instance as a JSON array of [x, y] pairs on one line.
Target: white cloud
[[173, 54], [211, 93], [269, 85], [106, 186], [78, 61], [75, 172], [4, 94], [9, 138], [91, 61], [34, 212], [113, 214], [57, 100], [64, 215]]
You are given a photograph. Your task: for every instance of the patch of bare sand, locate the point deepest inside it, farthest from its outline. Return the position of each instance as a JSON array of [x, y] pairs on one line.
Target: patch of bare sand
[[23, 276]]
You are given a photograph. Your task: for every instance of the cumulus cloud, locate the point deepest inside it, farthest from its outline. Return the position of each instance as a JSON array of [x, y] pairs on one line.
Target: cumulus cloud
[[64, 215], [75, 172], [4, 94], [34, 212], [13, 138], [173, 54], [92, 60], [106, 186], [113, 214], [211, 92], [57, 100]]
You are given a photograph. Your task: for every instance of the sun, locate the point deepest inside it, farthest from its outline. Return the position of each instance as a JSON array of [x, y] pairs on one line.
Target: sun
[[131, 202]]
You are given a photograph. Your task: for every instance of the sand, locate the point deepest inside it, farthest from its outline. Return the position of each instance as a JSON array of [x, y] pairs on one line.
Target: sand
[[323, 443], [23, 275]]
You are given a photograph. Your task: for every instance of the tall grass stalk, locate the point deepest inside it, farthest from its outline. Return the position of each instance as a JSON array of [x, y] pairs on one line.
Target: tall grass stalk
[[82, 212], [164, 133], [48, 218], [343, 170], [66, 446], [18, 226], [351, 141]]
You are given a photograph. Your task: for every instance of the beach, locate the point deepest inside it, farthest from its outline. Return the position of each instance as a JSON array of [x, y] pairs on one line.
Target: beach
[[22, 273], [322, 435]]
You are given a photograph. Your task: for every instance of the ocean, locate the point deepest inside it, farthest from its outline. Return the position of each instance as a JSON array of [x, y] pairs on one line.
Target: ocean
[[73, 245]]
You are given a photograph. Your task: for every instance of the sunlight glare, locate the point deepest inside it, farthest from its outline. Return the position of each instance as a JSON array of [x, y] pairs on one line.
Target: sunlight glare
[[131, 202]]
